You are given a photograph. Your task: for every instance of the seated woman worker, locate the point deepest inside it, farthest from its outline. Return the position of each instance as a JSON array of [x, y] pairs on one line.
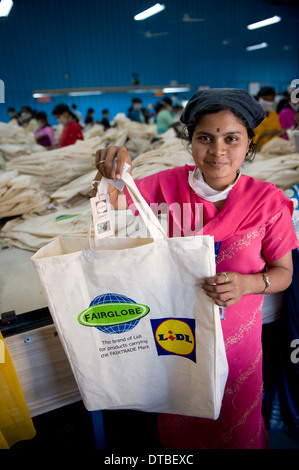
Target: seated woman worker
[[251, 220], [71, 130]]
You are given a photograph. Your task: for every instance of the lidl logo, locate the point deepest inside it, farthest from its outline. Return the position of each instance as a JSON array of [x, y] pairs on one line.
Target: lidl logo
[[101, 206], [113, 313], [175, 336]]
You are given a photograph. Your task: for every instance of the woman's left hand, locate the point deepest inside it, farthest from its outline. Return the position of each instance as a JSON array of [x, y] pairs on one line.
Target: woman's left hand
[[225, 288]]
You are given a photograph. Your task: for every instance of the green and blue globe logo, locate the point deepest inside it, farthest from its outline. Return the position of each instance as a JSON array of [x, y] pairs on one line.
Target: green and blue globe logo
[[113, 313]]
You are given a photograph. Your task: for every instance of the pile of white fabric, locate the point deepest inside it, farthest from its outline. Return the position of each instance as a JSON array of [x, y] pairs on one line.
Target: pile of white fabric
[[58, 167], [20, 194], [278, 146], [31, 232], [137, 137], [170, 152], [14, 141], [276, 163]]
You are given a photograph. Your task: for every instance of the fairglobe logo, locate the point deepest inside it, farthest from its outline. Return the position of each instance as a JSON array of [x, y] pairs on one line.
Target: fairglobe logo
[[113, 313]]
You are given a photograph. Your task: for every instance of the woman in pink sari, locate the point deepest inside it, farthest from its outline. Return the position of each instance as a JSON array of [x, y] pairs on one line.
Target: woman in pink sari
[[254, 235]]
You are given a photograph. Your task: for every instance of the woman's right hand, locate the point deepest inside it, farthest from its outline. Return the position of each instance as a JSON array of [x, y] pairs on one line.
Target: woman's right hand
[[105, 158]]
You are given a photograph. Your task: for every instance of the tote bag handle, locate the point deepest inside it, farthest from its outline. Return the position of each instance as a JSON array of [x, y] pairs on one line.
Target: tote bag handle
[[150, 220]]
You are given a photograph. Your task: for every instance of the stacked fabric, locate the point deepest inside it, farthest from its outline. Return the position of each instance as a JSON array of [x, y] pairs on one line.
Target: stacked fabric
[[15, 142], [31, 232], [70, 193], [276, 163], [20, 194], [278, 146], [58, 167], [137, 137], [170, 152]]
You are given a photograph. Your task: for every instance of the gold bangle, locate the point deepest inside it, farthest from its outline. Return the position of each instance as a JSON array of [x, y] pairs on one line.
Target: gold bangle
[[112, 192]]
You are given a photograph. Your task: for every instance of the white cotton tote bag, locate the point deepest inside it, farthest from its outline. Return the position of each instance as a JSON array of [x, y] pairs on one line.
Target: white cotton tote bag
[[137, 329]]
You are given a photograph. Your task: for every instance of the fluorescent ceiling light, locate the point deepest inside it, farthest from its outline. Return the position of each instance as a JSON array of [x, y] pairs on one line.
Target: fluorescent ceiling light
[[101, 90], [38, 95], [85, 93], [149, 12], [256, 46], [5, 7], [267, 22], [175, 90]]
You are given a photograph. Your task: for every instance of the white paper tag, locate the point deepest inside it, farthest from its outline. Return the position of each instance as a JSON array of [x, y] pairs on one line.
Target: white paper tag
[[222, 313], [101, 215], [101, 207], [119, 184]]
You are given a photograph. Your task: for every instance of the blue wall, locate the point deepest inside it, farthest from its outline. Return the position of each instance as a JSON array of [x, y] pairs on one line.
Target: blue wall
[[76, 43]]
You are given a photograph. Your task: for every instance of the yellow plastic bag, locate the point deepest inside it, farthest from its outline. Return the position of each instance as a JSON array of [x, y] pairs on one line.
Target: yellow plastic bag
[[15, 420]]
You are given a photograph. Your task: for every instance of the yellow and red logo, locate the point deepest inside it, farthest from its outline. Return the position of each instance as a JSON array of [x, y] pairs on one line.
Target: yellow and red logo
[[175, 336]]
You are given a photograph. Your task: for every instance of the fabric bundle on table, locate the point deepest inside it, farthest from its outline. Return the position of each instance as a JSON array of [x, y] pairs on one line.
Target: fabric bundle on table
[[20, 194], [57, 167], [278, 146], [282, 170], [170, 152], [15, 142], [137, 137], [277, 162], [78, 187], [31, 232]]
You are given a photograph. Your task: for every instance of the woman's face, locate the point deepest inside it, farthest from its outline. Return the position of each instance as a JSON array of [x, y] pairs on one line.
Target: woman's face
[[219, 146], [62, 118]]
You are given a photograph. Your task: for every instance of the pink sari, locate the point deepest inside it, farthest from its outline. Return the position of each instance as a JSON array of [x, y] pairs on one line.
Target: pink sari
[[253, 226]]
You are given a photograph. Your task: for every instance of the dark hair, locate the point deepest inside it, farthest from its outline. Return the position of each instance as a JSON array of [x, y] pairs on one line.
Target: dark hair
[[266, 91], [159, 106], [62, 108], [188, 130], [136, 100], [42, 115], [167, 100], [27, 108]]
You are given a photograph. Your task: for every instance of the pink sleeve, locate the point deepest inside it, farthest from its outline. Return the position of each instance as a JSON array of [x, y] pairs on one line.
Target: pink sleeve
[[280, 237], [149, 188], [50, 133], [283, 118]]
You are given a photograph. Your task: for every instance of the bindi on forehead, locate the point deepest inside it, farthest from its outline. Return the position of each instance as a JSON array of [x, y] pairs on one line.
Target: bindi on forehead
[[218, 130]]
